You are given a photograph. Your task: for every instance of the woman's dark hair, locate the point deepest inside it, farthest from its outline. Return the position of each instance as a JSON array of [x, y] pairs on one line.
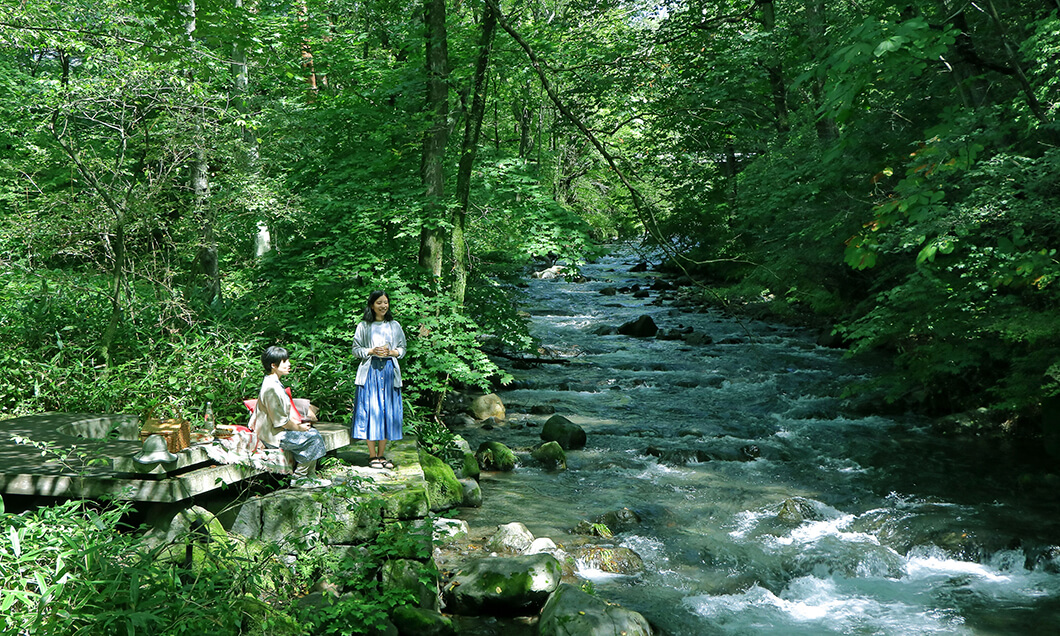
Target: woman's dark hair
[[369, 315], [273, 355]]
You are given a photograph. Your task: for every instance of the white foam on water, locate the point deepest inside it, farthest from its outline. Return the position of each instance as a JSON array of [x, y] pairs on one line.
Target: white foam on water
[[811, 605]]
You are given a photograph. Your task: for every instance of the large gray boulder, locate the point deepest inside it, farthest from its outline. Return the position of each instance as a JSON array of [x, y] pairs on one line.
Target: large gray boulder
[[511, 537], [472, 493], [284, 517], [570, 611], [559, 429], [504, 586]]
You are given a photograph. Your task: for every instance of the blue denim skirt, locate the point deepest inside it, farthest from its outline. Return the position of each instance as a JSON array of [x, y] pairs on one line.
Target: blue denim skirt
[[377, 411]]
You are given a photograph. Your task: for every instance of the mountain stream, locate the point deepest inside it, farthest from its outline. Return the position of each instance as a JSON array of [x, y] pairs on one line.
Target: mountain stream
[[770, 503]]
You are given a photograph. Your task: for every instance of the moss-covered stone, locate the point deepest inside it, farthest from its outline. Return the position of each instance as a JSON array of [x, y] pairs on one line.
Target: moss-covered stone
[[414, 577], [421, 622], [504, 585], [495, 456], [405, 503], [469, 466], [443, 489], [572, 611], [551, 455]]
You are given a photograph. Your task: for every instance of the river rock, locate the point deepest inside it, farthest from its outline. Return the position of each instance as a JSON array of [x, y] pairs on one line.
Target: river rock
[[795, 510], [504, 586], [449, 530], [472, 493], [486, 406], [542, 409], [444, 491], [551, 273], [672, 334], [571, 611], [641, 293], [609, 291], [551, 455], [495, 456], [698, 339], [678, 456], [469, 468], [613, 559], [559, 429], [416, 621], [603, 330], [609, 523], [639, 267], [511, 537], [643, 327], [543, 544]]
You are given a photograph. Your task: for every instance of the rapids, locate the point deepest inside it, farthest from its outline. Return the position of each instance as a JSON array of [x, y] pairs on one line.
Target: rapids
[[902, 531]]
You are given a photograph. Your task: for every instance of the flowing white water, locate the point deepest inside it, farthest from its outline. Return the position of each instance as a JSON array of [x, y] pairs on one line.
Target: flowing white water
[[903, 532]]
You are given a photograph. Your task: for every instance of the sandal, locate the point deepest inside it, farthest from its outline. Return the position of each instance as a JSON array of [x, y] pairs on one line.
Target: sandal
[[376, 462], [386, 463]]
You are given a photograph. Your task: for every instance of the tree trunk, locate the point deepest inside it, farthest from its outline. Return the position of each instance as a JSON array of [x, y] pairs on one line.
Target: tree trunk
[[433, 168], [827, 132], [1028, 91], [199, 181], [775, 69], [472, 129]]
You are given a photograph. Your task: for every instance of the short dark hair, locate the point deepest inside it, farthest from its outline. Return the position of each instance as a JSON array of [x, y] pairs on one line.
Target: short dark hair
[[273, 355], [369, 315]]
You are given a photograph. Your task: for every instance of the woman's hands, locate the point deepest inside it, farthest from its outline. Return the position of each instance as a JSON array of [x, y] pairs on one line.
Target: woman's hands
[[291, 425], [384, 351]]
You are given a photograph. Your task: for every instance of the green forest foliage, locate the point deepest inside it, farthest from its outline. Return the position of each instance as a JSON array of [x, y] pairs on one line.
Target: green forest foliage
[[887, 170]]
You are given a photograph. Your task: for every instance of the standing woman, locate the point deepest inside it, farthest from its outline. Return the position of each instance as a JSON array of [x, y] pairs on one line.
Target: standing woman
[[379, 342]]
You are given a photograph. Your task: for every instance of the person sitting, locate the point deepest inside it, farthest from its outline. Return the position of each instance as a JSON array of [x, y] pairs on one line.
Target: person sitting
[[278, 426]]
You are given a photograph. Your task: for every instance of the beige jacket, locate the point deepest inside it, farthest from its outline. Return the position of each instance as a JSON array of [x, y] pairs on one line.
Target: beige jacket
[[272, 413]]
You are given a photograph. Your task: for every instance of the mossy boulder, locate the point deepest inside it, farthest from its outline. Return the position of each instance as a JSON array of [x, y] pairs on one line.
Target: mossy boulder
[[416, 621], [409, 575], [495, 456], [551, 455], [469, 467], [572, 611], [613, 559], [504, 586], [411, 502], [559, 429], [444, 490]]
